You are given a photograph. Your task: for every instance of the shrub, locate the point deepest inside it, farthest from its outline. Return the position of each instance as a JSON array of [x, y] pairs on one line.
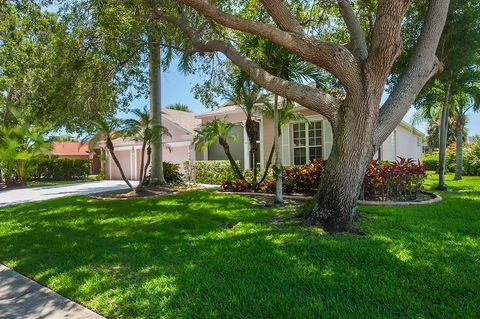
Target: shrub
[[399, 180], [430, 161], [471, 158], [172, 174], [236, 185], [55, 168], [210, 172]]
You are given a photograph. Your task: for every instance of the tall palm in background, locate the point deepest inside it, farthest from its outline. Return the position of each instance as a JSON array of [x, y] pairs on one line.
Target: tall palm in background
[[156, 173], [140, 129], [222, 131], [462, 103], [448, 109]]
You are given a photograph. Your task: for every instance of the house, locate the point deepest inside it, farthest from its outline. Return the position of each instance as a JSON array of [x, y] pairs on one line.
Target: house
[[177, 149], [77, 150], [301, 141]]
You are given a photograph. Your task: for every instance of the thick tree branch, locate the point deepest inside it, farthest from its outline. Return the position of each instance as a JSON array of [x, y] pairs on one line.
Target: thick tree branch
[[282, 16], [386, 40], [332, 57], [358, 42], [422, 67], [309, 97]]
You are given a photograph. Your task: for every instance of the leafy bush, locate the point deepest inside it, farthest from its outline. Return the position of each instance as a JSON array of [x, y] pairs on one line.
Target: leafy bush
[[236, 185], [299, 179], [55, 168], [209, 172], [471, 158], [172, 174], [430, 161], [399, 180]]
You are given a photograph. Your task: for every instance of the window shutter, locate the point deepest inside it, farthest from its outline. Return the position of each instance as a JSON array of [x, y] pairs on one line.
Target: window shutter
[[285, 145], [328, 139]]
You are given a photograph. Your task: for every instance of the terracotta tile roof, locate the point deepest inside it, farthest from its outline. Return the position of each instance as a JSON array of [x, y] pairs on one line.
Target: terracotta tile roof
[[69, 148], [186, 120]]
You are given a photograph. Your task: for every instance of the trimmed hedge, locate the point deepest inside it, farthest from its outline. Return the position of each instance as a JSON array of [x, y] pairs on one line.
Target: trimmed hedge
[[209, 172], [60, 169], [430, 161]]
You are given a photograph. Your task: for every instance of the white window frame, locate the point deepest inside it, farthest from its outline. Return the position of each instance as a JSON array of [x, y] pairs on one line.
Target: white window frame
[[313, 118]]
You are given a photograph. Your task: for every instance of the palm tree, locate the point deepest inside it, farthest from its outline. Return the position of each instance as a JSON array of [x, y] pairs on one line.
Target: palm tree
[[221, 131], [249, 97], [105, 131], [156, 172], [462, 103], [179, 107], [286, 114], [140, 129], [18, 146], [282, 63]]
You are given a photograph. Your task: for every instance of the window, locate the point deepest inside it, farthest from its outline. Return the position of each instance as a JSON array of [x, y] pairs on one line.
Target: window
[[307, 142]]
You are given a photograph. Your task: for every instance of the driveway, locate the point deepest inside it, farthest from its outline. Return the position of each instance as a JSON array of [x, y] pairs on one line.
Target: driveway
[[24, 195]]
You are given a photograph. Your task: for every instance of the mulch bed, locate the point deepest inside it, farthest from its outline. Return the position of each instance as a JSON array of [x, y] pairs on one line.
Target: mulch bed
[[426, 198], [161, 190]]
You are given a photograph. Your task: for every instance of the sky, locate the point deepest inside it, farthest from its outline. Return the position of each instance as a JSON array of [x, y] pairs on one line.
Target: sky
[[177, 87]]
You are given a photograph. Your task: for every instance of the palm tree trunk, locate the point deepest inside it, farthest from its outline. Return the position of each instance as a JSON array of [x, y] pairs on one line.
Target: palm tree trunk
[[115, 160], [278, 156], [442, 158], [226, 149], [149, 157], [142, 175], [459, 125], [156, 176], [251, 133], [269, 162]]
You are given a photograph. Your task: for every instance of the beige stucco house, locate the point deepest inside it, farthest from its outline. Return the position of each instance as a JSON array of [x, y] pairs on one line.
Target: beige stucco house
[[301, 141], [177, 149]]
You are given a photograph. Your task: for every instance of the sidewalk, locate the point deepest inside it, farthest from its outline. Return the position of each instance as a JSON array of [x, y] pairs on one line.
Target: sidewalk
[[22, 298]]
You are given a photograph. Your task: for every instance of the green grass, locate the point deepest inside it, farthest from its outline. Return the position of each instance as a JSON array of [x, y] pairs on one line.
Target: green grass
[[205, 255]]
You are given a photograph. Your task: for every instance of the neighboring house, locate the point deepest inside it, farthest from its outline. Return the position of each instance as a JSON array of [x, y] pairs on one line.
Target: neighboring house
[[301, 141], [77, 150], [177, 149], [70, 150]]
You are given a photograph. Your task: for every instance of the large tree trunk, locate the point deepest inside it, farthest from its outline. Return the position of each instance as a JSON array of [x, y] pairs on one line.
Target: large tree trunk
[[352, 151], [116, 161], [156, 175], [459, 146], [278, 155], [226, 149], [442, 152]]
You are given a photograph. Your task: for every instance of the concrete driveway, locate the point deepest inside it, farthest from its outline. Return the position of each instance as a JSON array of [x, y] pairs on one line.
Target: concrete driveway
[[24, 195]]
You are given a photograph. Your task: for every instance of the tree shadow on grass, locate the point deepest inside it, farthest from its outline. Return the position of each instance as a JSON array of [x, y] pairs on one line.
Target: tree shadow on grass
[[175, 257]]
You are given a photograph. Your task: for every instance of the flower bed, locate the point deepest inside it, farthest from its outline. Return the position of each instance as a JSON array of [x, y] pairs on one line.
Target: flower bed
[[384, 181]]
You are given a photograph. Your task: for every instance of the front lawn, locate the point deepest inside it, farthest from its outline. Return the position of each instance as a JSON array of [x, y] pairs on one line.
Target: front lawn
[[206, 255]]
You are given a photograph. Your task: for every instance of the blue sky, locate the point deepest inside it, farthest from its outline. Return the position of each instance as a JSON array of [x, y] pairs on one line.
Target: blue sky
[[176, 87]]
